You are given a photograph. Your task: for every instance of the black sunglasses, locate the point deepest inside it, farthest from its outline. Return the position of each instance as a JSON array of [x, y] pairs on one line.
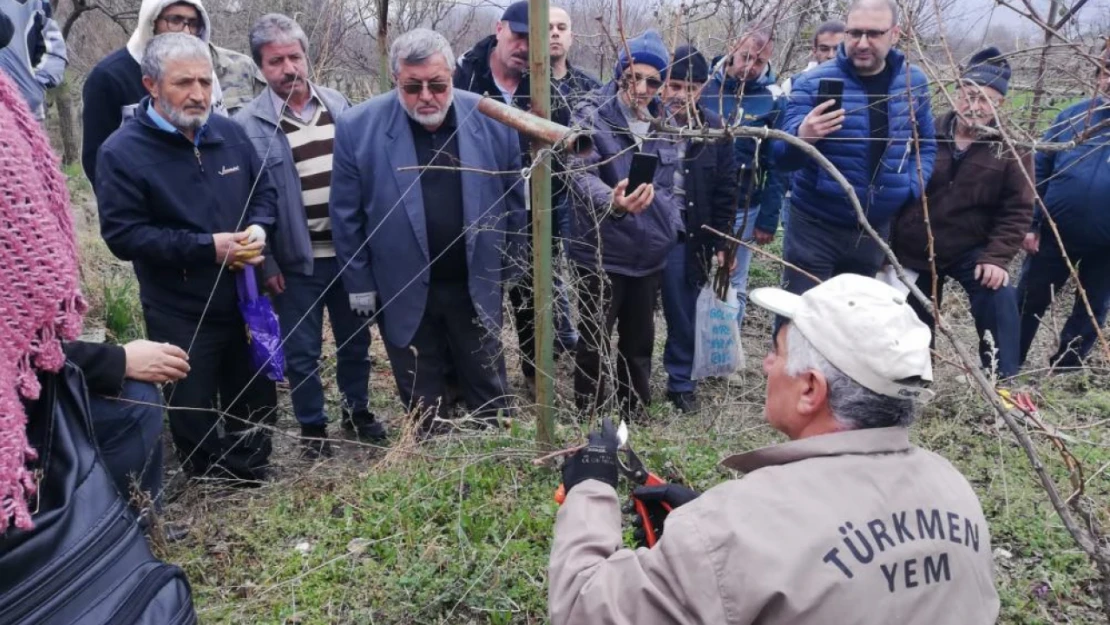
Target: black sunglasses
[[415, 88], [651, 81]]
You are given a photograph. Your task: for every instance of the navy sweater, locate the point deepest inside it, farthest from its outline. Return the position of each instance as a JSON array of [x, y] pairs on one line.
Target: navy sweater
[[161, 199]]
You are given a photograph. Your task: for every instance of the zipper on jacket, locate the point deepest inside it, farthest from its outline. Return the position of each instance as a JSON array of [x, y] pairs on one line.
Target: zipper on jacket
[[196, 152], [53, 582]]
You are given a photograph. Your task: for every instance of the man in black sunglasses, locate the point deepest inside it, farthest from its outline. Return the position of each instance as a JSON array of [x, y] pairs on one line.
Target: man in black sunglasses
[[880, 136]]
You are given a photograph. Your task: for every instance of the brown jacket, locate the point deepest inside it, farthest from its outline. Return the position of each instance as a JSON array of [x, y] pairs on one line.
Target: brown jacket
[[983, 201], [852, 528]]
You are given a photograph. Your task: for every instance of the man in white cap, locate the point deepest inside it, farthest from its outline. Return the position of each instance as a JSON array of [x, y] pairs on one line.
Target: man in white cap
[[845, 523]]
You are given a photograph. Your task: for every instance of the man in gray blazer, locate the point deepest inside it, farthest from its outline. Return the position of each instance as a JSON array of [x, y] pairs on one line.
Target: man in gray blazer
[[426, 229], [292, 127]]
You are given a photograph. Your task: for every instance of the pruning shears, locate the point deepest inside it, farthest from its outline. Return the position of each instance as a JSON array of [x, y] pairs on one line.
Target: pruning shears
[[649, 515]]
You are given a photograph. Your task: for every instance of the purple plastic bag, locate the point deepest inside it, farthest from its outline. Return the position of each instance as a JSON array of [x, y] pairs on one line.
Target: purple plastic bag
[[263, 330]]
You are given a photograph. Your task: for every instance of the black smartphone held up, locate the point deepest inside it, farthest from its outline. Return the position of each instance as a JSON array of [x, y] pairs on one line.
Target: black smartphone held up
[[642, 171], [831, 89]]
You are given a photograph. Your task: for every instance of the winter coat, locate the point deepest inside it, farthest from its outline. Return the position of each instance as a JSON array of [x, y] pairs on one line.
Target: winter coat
[[899, 180], [291, 249], [709, 170], [761, 183], [628, 245], [162, 197], [984, 200], [1075, 183], [36, 57]]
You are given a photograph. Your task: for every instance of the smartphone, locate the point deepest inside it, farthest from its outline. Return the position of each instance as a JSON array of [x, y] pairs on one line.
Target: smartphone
[[642, 171], [831, 89]]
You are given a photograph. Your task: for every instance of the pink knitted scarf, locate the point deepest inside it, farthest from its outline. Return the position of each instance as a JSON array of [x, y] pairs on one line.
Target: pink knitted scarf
[[40, 299]]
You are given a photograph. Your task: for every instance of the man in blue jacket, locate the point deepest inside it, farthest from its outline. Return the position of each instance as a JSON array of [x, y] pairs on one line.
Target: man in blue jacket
[[1074, 185], [881, 140], [182, 194], [423, 236], [743, 92], [621, 235], [705, 188]]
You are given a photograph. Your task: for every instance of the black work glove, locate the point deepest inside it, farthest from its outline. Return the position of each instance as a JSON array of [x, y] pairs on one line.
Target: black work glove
[[674, 494], [597, 461]]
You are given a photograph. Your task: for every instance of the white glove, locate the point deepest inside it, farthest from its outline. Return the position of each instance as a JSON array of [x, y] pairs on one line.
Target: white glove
[[256, 233], [364, 304]]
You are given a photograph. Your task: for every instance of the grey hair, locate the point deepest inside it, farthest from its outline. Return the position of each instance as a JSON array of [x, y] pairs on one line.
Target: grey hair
[[756, 31], [852, 404], [275, 28], [892, 5], [171, 47], [417, 46]]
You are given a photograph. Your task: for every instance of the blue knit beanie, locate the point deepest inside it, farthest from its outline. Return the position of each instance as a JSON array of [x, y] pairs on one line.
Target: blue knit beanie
[[987, 70], [647, 48]]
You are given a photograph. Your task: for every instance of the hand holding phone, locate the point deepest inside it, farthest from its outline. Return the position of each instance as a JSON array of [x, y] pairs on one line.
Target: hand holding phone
[[826, 117]]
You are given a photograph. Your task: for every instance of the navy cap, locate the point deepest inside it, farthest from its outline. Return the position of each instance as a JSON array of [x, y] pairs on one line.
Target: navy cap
[[517, 17]]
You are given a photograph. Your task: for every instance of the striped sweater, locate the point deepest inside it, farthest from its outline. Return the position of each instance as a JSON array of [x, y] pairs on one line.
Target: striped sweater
[[312, 144]]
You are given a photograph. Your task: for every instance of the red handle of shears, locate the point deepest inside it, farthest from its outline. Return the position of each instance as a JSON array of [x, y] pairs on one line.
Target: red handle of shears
[[650, 535]]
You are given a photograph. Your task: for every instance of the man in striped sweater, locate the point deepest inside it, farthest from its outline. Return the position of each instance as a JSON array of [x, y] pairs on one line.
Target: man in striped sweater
[[292, 126]]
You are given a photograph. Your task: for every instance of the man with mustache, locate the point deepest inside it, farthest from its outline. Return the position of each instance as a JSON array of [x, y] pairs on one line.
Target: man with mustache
[[422, 234], [881, 139], [980, 203], [497, 66], [183, 196], [292, 126]]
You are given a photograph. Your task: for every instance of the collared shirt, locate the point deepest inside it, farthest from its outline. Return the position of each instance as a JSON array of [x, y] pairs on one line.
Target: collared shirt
[[443, 198], [309, 108], [852, 527]]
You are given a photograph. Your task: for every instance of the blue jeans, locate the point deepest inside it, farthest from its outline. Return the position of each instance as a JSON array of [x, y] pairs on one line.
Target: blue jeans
[[680, 303], [744, 220], [301, 312], [128, 431], [1043, 275], [995, 311]]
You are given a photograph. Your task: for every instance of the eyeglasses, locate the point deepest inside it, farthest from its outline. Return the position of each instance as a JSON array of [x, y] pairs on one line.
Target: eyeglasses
[[652, 82], [434, 86], [178, 23], [856, 34]]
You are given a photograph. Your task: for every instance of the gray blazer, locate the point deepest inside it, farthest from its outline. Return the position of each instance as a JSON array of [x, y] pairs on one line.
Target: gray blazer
[[377, 210], [290, 251]]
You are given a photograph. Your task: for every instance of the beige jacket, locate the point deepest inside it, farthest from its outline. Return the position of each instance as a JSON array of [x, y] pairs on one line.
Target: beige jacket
[[850, 528]]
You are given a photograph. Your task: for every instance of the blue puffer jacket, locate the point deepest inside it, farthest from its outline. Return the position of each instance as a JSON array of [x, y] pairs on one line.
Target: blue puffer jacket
[[898, 181], [627, 245], [762, 184], [1075, 184]]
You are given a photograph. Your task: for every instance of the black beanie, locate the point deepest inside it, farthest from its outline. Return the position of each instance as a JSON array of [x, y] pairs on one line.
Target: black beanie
[[689, 65], [986, 69], [6, 31]]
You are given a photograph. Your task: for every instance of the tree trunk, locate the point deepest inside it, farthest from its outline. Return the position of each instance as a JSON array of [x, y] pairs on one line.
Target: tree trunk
[[1042, 68], [383, 47], [67, 123]]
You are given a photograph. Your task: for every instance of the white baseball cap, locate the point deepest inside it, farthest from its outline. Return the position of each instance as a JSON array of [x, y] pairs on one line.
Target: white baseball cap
[[863, 327]]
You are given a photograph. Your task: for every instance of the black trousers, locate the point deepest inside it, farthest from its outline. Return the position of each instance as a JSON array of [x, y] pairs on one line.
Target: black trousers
[[606, 300], [214, 412], [450, 338]]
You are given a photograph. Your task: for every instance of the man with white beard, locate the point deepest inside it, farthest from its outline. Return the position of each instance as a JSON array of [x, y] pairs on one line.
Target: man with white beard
[[182, 194], [423, 235]]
